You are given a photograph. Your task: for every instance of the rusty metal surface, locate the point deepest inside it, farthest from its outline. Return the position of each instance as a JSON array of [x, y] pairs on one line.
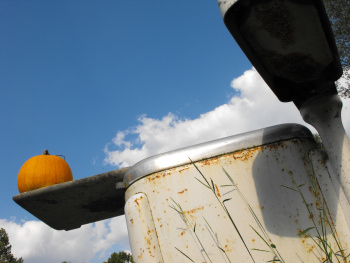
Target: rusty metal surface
[[215, 148], [324, 113], [139, 220], [263, 175], [72, 204]]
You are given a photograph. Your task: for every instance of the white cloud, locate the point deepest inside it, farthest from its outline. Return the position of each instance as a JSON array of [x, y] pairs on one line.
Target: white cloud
[[255, 107], [36, 242]]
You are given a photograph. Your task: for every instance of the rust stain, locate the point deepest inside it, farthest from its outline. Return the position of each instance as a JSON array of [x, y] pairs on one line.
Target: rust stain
[[311, 249], [183, 191], [182, 233], [214, 160], [184, 169], [153, 177], [136, 200], [305, 236], [315, 194], [228, 248], [132, 221], [217, 190], [243, 155], [247, 154], [141, 253], [192, 211]]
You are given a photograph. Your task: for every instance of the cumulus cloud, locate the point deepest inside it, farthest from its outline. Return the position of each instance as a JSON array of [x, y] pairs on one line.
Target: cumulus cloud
[[36, 242], [255, 107]]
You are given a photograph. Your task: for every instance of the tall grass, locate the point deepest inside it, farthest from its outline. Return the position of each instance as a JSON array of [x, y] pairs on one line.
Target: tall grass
[[264, 236], [177, 207], [320, 239], [212, 187], [321, 229]]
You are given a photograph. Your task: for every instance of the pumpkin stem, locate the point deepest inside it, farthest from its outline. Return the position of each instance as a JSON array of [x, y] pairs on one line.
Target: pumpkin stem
[[46, 152]]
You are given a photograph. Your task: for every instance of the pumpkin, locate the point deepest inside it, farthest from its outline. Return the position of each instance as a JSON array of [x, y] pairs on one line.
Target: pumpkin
[[42, 171]]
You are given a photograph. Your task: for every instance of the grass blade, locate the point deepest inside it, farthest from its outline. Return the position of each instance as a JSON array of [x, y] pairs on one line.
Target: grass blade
[[203, 183], [184, 254], [305, 231], [289, 188]]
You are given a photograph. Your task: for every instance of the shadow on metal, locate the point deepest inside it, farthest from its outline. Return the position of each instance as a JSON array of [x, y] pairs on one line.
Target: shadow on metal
[[284, 212]]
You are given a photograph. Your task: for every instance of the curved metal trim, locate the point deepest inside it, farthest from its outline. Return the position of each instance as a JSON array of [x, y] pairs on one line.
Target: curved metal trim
[[214, 148], [224, 5]]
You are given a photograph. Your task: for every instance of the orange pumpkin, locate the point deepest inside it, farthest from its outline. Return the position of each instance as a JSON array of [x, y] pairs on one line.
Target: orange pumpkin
[[43, 170]]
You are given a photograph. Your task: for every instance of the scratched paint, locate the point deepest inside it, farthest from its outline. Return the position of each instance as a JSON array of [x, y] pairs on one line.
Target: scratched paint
[[259, 173]]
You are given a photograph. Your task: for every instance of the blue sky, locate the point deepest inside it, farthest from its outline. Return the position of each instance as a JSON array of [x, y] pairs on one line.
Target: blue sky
[[108, 83], [73, 73]]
